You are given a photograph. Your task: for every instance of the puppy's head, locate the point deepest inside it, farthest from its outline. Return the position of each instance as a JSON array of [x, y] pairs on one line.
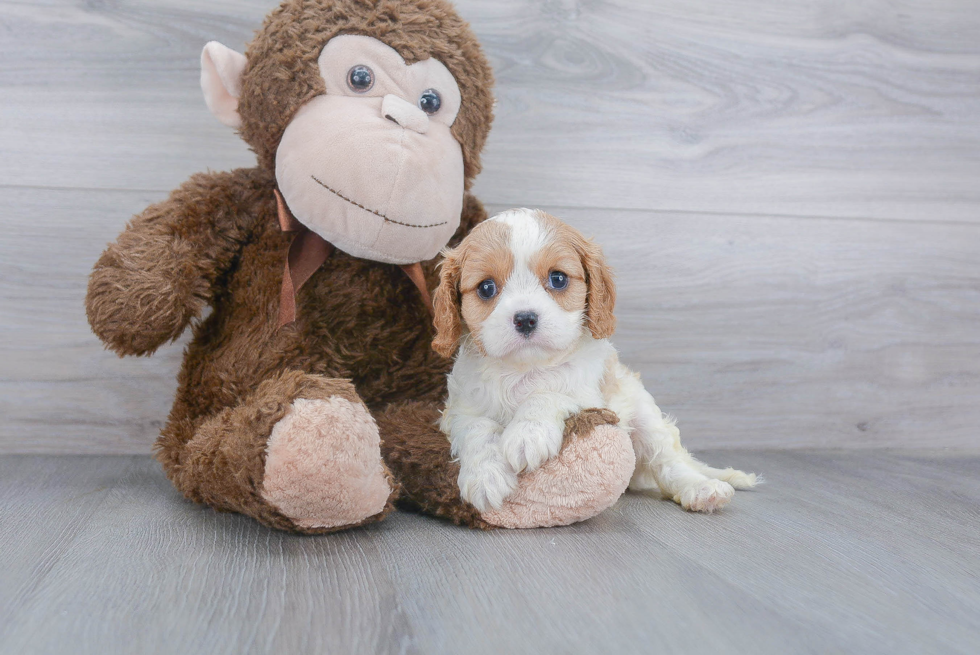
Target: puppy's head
[[526, 287]]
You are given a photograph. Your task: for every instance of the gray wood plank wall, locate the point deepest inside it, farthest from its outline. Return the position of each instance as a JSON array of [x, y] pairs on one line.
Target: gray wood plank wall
[[790, 192]]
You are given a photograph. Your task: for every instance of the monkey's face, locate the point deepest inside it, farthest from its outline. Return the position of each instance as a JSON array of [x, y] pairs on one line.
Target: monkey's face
[[372, 166]]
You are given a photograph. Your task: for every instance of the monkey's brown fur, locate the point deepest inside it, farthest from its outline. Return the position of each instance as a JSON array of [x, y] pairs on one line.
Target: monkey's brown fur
[[362, 331], [295, 32]]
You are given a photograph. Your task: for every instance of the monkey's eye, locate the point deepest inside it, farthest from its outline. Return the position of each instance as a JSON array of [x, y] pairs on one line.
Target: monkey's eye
[[429, 101], [360, 79], [486, 289], [557, 280]]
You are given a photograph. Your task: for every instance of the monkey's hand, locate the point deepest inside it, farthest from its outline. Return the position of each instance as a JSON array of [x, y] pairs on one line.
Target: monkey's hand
[[160, 272]]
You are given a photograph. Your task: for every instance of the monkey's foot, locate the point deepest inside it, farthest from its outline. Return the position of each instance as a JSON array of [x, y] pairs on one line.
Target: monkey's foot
[[590, 473], [323, 465]]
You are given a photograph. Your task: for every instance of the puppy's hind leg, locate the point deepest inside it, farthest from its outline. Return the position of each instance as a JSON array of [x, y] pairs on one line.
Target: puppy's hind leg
[[662, 461]]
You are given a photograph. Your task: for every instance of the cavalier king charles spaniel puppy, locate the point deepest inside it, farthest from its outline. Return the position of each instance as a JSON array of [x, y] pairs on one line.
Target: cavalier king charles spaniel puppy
[[528, 303]]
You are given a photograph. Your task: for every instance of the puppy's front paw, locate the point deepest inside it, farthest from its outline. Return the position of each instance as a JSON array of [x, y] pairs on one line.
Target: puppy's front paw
[[529, 444], [705, 496], [486, 486]]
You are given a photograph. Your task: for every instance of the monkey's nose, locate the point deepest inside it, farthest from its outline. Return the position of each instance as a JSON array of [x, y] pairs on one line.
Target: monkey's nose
[[404, 113], [525, 322]]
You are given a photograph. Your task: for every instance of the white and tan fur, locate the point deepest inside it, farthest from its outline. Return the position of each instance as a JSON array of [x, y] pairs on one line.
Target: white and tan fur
[[510, 392]]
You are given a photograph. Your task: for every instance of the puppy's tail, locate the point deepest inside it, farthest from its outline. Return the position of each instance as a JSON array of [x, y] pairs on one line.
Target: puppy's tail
[[734, 477]]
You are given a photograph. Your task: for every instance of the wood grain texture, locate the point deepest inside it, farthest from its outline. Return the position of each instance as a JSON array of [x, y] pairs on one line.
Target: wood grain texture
[[868, 108], [107, 95], [765, 332], [788, 191], [871, 552], [860, 109], [60, 390]]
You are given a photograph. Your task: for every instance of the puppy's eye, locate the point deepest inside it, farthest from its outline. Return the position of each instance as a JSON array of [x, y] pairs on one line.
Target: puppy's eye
[[429, 101], [557, 280], [360, 79], [486, 289]]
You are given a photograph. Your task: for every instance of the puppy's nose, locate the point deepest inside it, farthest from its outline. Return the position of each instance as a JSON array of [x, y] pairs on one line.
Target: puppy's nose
[[525, 322]]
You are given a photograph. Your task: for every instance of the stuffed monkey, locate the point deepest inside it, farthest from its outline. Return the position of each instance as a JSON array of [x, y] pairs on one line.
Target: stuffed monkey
[[308, 397]]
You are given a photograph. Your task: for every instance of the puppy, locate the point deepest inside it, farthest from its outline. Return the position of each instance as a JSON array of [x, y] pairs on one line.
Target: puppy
[[528, 302]]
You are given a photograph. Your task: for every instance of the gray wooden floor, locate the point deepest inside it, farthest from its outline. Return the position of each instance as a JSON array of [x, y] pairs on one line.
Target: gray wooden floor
[[855, 552]]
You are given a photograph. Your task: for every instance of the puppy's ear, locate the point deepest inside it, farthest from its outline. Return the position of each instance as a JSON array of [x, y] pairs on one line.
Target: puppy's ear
[[447, 319], [600, 299]]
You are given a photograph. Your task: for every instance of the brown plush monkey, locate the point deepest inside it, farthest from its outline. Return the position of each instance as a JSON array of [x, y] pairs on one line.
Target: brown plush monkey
[[308, 397]]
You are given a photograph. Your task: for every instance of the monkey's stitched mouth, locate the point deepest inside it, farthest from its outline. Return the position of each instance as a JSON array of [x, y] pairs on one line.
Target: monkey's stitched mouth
[[367, 209]]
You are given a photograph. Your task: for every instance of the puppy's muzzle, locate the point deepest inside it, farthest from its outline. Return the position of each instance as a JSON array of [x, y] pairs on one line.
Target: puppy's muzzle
[[525, 322]]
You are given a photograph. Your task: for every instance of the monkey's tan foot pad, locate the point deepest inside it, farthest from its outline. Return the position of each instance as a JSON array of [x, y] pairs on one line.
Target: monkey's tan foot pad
[[323, 465], [590, 474]]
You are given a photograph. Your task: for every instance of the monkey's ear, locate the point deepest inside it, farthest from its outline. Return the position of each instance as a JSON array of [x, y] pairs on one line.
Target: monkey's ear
[[221, 81]]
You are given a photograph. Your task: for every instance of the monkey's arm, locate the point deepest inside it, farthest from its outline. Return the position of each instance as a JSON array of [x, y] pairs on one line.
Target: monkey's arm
[[160, 273]]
